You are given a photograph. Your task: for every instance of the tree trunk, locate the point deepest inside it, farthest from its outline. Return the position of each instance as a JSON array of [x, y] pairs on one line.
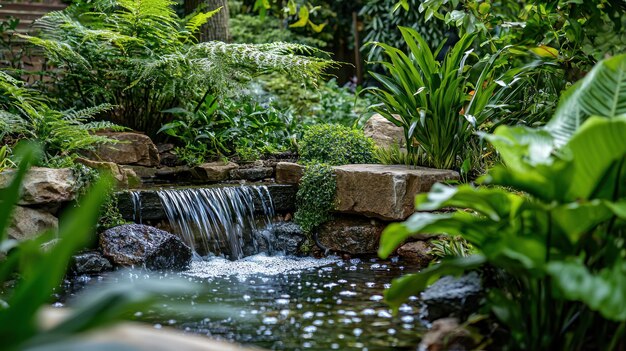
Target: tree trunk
[[217, 27]]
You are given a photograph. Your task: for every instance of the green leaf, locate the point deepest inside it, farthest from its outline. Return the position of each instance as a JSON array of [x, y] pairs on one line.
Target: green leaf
[[303, 18], [409, 285], [604, 291], [597, 146], [601, 93]]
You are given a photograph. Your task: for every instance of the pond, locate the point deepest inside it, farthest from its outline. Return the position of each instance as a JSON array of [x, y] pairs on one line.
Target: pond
[[288, 303]]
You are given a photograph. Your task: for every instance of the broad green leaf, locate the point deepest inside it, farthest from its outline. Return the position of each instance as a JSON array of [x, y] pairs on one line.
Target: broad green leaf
[[597, 146], [413, 284], [491, 202], [575, 219], [604, 291], [601, 93], [430, 224]]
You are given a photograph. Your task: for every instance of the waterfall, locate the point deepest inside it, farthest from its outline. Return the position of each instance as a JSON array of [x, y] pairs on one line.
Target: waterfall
[[136, 199], [218, 220]]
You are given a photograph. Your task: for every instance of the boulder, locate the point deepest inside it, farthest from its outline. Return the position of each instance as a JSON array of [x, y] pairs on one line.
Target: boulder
[[91, 262], [132, 149], [289, 173], [27, 223], [44, 186], [141, 245], [384, 191], [215, 171], [176, 174], [453, 297], [418, 252], [352, 235], [288, 238], [252, 174], [384, 133]]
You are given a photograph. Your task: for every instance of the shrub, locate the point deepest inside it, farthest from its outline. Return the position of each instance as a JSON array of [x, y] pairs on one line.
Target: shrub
[[336, 145]]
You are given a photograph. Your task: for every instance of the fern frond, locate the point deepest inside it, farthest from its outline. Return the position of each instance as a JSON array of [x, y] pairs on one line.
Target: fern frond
[[196, 22], [102, 125], [86, 113]]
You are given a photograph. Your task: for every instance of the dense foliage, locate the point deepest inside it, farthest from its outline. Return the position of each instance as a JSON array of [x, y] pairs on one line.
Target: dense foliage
[[555, 222], [142, 58], [316, 196], [26, 113], [322, 147]]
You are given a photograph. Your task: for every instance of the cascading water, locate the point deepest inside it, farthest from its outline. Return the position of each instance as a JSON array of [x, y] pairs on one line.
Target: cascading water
[[220, 220], [136, 199]]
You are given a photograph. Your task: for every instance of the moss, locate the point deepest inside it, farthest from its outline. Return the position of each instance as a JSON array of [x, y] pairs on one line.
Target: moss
[[336, 145]]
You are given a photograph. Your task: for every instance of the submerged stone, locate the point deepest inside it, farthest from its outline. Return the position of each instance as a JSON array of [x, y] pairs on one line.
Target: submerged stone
[[451, 296], [91, 262], [141, 245], [288, 238]]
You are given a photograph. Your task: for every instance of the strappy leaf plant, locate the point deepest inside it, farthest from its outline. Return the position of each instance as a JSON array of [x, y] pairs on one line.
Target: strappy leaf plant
[[139, 56], [553, 217], [441, 104]]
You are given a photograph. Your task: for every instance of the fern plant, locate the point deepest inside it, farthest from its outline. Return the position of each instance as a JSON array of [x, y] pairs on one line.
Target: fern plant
[[141, 57], [24, 113]]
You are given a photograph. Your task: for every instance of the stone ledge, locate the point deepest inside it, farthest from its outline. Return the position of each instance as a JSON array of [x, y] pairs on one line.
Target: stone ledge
[[386, 192]]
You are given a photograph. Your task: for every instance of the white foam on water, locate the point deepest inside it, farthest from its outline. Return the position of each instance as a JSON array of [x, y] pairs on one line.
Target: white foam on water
[[260, 264]]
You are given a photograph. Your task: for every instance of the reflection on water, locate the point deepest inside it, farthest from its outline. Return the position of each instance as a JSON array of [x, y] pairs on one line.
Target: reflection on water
[[299, 304]]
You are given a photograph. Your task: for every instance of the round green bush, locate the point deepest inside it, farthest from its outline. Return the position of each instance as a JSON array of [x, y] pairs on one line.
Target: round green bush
[[336, 145]]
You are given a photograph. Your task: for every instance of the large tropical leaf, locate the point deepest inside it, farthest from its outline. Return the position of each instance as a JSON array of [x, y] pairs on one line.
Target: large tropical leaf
[[601, 93], [598, 148], [604, 292]]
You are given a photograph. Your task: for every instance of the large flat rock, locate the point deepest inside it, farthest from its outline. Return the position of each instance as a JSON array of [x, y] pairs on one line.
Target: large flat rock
[[44, 186], [382, 191]]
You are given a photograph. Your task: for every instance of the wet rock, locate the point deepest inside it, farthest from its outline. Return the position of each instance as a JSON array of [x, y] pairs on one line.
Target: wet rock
[[385, 192], [215, 171], [417, 252], [43, 186], [151, 208], [289, 173], [132, 149], [384, 133], [288, 238], [352, 235], [140, 245], [91, 262], [252, 174], [451, 296], [27, 223], [447, 334]]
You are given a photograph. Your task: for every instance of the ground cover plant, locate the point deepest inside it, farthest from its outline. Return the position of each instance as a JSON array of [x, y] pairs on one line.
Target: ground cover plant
[[551, 216]]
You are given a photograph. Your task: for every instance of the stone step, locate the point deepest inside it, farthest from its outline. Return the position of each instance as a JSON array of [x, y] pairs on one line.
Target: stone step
[[386, 192]]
